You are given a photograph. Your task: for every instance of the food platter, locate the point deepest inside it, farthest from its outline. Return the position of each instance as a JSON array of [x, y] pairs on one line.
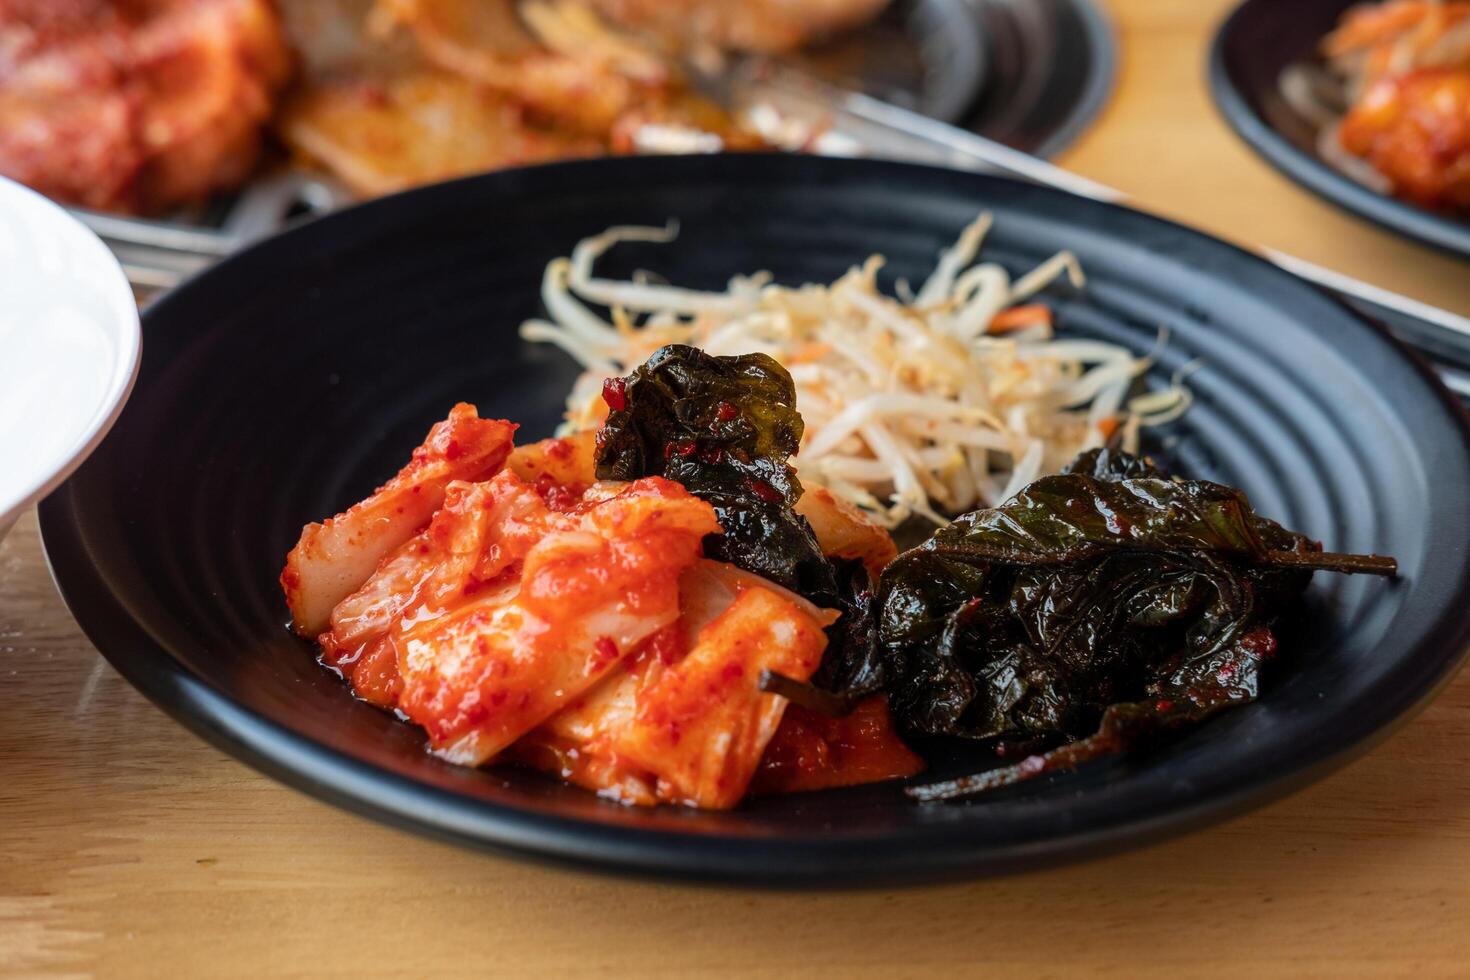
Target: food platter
[[1032, 75], [283, 384], [1261, 40], [929, 56]]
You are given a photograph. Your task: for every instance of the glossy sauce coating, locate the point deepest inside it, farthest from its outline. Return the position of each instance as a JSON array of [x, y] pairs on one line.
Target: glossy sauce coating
[[703, 725], [479, 676], [812, 751], [536, 616], [333, 559], [1415, 130]]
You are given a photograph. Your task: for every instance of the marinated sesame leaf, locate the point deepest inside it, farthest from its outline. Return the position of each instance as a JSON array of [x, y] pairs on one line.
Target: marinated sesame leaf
[[1103, 605], [854, 666], [724, 428], [1123, 727], [1109, 464]]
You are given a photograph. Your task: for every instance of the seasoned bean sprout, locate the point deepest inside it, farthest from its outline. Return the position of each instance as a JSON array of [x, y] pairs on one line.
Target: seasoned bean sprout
[[950, 398]]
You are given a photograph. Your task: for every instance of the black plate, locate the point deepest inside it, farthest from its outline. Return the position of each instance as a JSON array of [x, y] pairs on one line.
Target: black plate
[[286, 382], [1050, 66], [1259, 41], [1028, 73], [927, 55]]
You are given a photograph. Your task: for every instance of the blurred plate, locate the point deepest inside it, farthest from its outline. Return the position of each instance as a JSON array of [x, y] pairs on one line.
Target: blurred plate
[[1029, 73], [68, 346], [1260, 41], [289, 380], [1050, 71], [925, 55]]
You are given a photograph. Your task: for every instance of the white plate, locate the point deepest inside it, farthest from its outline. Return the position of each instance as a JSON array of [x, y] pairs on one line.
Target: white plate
[[69, 345]]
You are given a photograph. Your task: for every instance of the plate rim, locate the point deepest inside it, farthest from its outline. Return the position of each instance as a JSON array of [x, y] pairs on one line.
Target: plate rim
[[1103, 46], [942, 853], [1304, 169], [951, 107], [128, 335]]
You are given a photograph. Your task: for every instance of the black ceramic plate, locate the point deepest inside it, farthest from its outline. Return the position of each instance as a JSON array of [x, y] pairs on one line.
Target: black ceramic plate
[[1259, 41], [288, 381], [927, 55], [1028, 73], [1049, 71]]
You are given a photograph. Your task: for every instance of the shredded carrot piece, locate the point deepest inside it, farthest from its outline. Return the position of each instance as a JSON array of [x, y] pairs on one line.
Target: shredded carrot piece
[[813, 351], [1020, 317]]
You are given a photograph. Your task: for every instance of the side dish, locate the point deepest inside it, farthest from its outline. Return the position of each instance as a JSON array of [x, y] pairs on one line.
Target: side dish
[[1401, 122], [659, 610], [950, 397], [395, 93], [771, 26], [1088, 613], [149, 106], [136, 107], [524, 605]]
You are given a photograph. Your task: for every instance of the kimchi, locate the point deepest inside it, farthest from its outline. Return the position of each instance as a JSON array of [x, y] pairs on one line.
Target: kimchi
[[521, 610]]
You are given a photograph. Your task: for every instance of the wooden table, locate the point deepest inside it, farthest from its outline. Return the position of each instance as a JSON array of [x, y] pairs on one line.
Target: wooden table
[[129, 848]]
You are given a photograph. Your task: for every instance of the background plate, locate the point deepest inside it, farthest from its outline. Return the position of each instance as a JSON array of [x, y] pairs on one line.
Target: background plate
[[1259, 41], [1029, 73], [926, 55], [286, 382], [1049, 72]]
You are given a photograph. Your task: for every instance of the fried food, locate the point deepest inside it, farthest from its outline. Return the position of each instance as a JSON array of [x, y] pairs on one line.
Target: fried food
[[141, 106], [767, 26], [401, 131], [373, 110], [138, 106], [561, 62]]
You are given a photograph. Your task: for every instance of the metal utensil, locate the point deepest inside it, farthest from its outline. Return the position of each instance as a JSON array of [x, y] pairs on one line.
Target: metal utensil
[[158, 255]]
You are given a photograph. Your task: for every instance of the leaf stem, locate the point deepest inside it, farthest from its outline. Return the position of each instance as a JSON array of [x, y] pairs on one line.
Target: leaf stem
[[1324, 561], [1329, 561], [804, 694]]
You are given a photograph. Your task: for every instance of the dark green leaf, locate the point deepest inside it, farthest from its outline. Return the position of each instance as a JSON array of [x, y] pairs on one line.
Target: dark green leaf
[[725, 428], [1099, 605]]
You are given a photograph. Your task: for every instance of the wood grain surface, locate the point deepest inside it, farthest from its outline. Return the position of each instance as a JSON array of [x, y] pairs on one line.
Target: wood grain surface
[[128, 848]]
